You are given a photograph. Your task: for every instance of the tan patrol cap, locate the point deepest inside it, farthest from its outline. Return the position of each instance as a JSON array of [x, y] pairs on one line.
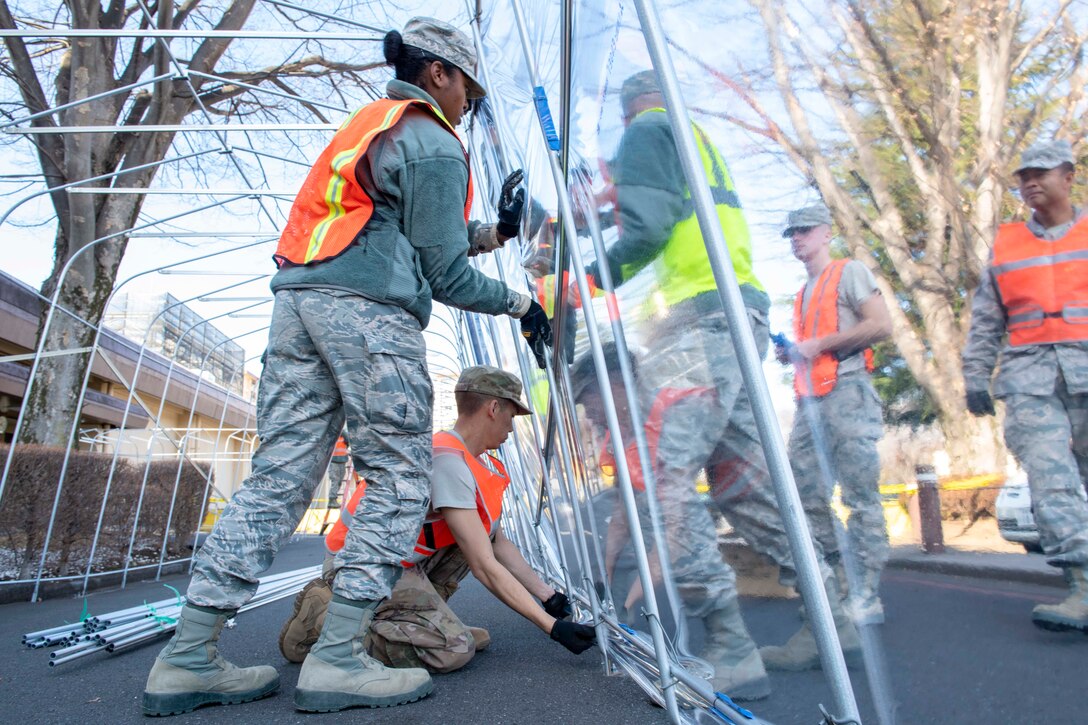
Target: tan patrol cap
[[497, 383], [449, 44]]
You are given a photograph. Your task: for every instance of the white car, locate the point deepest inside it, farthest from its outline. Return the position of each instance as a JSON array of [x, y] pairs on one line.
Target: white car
[[1015, 517]]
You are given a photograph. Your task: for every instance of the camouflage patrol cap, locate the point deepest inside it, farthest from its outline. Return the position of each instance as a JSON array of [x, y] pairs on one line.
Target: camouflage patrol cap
[[583, 373], [449, 44], [1046, 155], [806, 218], [497, 383], [637, 85]]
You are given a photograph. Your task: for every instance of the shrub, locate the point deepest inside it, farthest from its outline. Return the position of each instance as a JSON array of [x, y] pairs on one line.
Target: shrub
[[32, 489]]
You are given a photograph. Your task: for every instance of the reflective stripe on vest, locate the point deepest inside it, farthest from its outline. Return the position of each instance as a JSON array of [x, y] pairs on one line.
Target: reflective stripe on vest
[[1043, 285], [332, 208], [655, 421], [683, 268], [490, 487], [820, 319], [435, 534]]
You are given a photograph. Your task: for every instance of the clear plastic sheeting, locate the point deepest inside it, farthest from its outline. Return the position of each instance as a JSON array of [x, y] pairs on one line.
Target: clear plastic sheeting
[[726, 537], [687, 490]]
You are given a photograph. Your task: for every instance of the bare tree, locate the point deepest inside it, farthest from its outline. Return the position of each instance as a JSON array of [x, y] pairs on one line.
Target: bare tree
[[908, 117], [90, 79]]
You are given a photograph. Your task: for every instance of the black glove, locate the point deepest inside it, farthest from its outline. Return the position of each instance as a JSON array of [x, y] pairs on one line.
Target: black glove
[[537, 331], [980, 403], [575, 637], [511, 204], [558, 606]]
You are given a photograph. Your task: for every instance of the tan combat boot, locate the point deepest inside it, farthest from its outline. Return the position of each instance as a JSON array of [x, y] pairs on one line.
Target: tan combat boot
[[338, 673], [304, 626], [738, 668], [1070, 615], [481, 637], [189, 672], [800, 651], [862, 603]]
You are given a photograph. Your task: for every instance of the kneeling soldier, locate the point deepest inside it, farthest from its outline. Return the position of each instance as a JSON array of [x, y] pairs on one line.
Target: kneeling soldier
[[415, 627]]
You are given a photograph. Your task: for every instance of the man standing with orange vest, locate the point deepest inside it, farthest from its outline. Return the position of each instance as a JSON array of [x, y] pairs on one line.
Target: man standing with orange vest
[[1031, 312], [415, 627], [379, 229], [837, 315]]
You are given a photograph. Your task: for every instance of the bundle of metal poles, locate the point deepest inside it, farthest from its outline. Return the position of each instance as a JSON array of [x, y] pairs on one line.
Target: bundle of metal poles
[[127, 628]]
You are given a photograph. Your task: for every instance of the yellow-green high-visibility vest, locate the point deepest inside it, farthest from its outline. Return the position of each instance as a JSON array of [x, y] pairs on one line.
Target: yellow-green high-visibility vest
[[683, 267]]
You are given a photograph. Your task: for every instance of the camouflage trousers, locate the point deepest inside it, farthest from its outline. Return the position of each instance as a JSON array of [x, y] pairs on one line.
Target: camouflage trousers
[[415, 627], [849, 424], [716, 432], [1048, 434], [332, 356]]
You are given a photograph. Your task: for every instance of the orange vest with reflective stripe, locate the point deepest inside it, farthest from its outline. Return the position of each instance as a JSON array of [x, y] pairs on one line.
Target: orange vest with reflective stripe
[[1043, 285], [819, 320], [436, 534], [332, 208], [664, 400], [334, 540], [341, 449]]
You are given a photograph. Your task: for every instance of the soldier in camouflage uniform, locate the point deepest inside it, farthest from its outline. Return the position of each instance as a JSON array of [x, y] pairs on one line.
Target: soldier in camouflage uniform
[[838, 315], [379, 230], [415, 627], [740, 488], [694, 370], [1029, 312]]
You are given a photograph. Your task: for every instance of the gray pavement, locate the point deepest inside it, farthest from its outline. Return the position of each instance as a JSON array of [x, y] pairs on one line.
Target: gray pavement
[[523, 677], [960, 650]]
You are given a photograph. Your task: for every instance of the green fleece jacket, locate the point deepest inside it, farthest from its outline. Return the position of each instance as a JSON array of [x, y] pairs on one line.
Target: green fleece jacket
[[414, 248]]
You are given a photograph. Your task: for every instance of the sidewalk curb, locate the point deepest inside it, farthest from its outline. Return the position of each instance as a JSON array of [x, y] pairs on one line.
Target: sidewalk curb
[[939, 564]]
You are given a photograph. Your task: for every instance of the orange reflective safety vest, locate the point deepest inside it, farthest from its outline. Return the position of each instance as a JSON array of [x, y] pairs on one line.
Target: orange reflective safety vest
[[1043, 285], [332, 208], [821, 318], [334, 540], [655, 421], [341, 449], [436, 534]]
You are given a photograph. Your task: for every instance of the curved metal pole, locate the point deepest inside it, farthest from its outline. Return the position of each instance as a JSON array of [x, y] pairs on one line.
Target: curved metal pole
[[49, 320], [128, 404], [808, 575], [185, 438], [208, 480], [158, 417]]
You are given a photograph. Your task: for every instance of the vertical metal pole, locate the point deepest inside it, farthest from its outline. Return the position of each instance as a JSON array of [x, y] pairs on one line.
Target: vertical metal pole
[[667, 681], [215, 452], [809, 580], [185, 441]]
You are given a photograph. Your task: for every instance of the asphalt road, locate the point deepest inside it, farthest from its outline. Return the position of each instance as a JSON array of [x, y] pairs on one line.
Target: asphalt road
[[960, 650]]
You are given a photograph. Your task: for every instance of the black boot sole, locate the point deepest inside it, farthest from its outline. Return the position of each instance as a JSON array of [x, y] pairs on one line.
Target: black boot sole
[[1053, 626]]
